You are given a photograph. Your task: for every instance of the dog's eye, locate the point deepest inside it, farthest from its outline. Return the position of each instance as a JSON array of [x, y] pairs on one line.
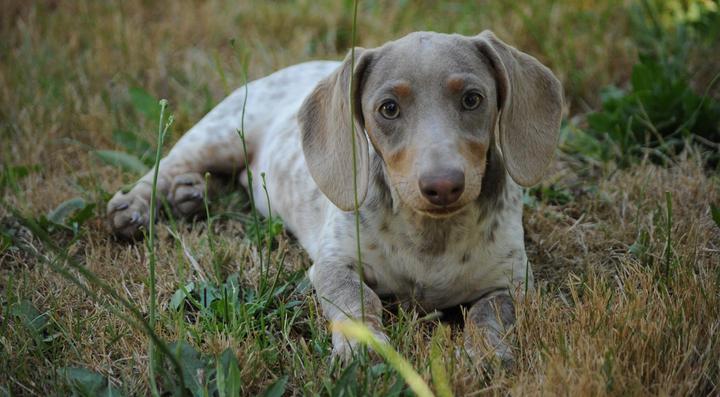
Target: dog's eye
[[390, 109], [471, 101]]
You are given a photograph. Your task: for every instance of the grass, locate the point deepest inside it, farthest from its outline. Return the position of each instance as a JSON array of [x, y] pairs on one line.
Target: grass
[[626, 259]]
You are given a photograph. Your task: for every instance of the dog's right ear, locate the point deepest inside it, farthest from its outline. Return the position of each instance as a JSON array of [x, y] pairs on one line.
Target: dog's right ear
[[326, 133]]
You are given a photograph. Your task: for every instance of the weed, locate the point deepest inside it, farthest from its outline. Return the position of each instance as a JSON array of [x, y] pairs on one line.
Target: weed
[[163, 127], [70, 214], [85, 383], [661, 111]]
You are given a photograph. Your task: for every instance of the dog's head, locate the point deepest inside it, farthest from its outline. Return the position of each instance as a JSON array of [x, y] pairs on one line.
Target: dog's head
[[429, 103]]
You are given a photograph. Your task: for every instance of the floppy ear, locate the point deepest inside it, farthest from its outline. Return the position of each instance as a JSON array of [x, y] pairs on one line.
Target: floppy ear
[[326, 133], [530, 102]]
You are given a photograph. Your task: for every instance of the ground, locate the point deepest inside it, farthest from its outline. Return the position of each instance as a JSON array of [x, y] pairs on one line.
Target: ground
[[626, 254]]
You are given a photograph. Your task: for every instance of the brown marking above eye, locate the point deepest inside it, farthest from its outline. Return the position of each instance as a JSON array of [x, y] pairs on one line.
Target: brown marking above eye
[[456, 84], [401, 89]]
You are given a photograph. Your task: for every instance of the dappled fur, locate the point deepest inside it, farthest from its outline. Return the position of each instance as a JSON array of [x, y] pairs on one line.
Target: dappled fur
[[298, 129]]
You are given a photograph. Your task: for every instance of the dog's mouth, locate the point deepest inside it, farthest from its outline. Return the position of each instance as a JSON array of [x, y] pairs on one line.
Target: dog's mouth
[[442, 212]]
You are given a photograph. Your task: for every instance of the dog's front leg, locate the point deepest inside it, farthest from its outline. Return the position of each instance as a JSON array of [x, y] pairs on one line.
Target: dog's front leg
[[338, 287], [492, 318]]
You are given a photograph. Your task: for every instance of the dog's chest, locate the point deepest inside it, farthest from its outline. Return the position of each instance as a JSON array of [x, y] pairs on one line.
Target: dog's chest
[[443, 263]]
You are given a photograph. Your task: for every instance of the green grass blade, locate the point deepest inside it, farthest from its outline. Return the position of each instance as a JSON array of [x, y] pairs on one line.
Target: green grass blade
[[354, 160], [151, 238], [361, 333], [437, 367]]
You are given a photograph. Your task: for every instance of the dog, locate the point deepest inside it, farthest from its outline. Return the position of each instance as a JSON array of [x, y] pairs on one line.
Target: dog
[[447, 129]]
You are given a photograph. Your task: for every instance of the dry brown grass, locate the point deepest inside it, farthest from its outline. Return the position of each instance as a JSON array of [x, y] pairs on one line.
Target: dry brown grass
[[604, 321]]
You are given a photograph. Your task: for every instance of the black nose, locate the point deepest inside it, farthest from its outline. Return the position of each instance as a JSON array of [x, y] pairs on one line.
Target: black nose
[[442, 188]]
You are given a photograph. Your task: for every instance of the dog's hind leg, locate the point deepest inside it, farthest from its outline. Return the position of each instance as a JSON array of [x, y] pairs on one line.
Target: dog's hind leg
[[180, 179], [213, 145]]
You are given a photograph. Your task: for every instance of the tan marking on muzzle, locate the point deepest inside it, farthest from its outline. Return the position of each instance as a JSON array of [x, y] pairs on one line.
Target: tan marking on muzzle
[[473, 152], [401, 161]]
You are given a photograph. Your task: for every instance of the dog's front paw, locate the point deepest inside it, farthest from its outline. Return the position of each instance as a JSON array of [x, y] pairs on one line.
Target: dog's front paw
[[344, 349], [128, 213], [187, 194]]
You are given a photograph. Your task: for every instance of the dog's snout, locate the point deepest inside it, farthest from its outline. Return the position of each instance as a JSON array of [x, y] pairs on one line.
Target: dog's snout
[[443, 188]]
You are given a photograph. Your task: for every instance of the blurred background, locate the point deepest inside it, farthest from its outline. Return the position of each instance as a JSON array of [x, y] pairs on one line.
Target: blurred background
[[83, 68]]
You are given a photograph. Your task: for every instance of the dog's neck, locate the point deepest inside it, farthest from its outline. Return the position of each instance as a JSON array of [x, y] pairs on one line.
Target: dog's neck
[[432, 235]]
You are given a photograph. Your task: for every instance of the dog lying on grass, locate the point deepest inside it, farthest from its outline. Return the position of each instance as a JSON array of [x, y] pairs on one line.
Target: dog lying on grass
[[447, 129]]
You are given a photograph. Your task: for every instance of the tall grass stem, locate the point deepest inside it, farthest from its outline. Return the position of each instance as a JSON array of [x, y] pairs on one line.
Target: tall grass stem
[[241, 134], [359, 267]]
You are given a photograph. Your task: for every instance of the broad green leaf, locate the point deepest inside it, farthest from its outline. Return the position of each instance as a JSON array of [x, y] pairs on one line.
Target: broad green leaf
[[179, 296], [348, 375], [397, 388], [84, 382], [125, 161], [63, 211], [228, 374], [715, 214], [277, 388], [192, 365], [233, 380], [29, 315]]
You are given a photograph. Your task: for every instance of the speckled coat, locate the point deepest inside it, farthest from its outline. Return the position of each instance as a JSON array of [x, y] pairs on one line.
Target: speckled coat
[[297, 129]]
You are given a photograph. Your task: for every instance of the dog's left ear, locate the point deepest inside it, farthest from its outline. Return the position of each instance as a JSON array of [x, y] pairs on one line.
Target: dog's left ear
[[326, 133], [530, 102]]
